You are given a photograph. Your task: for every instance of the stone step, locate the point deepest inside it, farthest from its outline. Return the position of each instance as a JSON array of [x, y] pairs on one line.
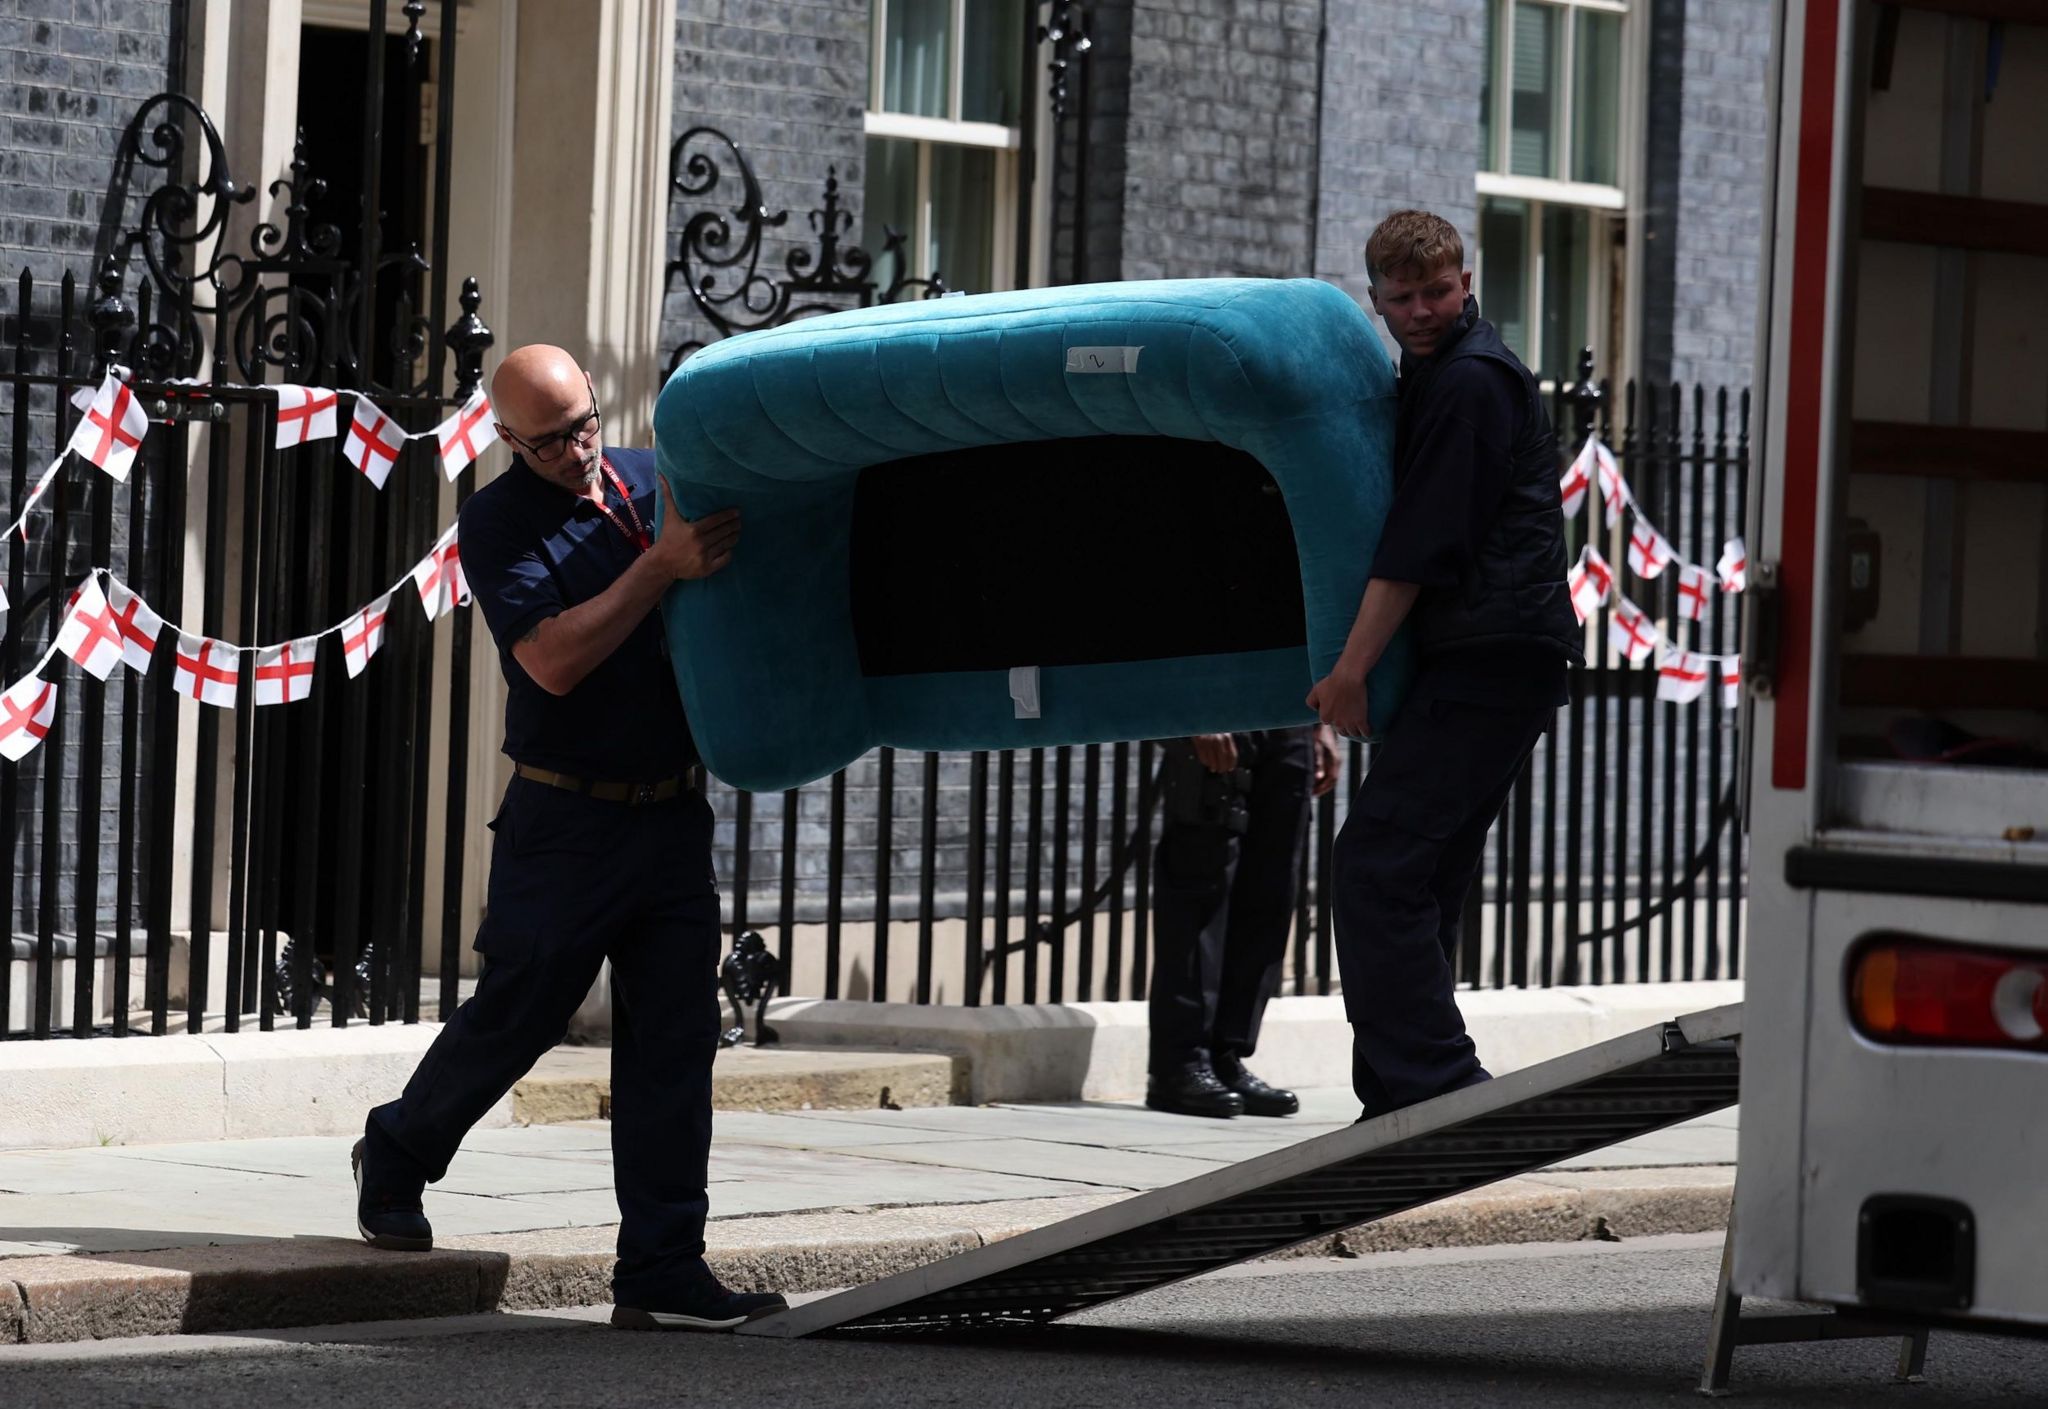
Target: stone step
[[575, 1083]]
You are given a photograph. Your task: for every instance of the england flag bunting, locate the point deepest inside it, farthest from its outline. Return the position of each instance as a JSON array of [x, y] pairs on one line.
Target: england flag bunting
[[1634, 635], [1731, 682], [1682, 676], [1694, 587], [304, 413], [1613, 490], [139, 626], [1649, 553], [91, 634], [465, 435], [208, 671], [374, 441], [1578, 479], [1590, 579], [25, 713], [363, 634], [438, 576], [1734, 566], [113, 428], [284, 674]]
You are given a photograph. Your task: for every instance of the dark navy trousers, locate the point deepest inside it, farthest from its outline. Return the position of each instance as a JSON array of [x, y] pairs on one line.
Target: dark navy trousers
[[1223, 904], [575, 881], [1409, 851]]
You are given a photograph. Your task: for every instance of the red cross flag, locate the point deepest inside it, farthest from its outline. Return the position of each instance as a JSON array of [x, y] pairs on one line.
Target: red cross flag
[[304, 413], [1734, 566], [439, 579], [1648, 552], [1613, 489], [465, 434], [284, 674], [362, 635], [374, 441], [25, 713], [91, 635], [1578, 479], [138, 625], [1682, 676], [1731, 682], [1633, 633], [1590, 579], [112, 429], [208, 670], [1694, 587]]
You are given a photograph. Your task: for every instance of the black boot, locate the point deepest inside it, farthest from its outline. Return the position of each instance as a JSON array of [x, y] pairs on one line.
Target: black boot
[[1258, 1097], [388, 1212], [1192, 1090]]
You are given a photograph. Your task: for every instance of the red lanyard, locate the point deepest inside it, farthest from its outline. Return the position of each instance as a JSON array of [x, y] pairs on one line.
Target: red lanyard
[[638, 535]]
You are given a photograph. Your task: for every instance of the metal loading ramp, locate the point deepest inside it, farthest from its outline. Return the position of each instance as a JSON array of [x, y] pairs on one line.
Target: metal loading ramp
[[1574, 1104]]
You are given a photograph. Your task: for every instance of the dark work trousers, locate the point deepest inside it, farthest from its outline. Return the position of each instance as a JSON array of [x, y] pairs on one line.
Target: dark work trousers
[[1408, 853], [575, 881], [1222, 906]]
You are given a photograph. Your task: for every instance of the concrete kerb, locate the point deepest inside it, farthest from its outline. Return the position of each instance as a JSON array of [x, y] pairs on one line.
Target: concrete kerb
[[316, 1281], [218, 1086], [1097, 1051]]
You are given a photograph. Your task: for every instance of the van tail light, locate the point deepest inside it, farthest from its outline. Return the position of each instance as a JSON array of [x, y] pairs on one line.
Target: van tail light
[[1916, 992]]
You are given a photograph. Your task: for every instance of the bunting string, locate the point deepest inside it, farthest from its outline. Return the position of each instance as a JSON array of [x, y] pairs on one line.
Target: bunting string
[[108, 624], [1683, 674]]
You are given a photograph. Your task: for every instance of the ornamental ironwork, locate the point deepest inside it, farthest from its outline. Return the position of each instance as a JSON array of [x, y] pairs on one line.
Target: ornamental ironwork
[[719, 253], [289, 303]]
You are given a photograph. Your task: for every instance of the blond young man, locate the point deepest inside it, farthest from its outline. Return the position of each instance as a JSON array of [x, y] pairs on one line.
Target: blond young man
[[1473, 556]]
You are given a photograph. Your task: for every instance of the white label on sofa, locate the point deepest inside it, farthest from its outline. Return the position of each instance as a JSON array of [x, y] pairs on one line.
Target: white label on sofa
[[1103, 359], [1024, 690]]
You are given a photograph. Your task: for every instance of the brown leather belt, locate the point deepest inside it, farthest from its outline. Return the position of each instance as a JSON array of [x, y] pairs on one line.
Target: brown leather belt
[[632, 794]]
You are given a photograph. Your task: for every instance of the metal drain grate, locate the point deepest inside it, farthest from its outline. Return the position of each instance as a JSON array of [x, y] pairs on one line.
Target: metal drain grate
[[1525, 1121]]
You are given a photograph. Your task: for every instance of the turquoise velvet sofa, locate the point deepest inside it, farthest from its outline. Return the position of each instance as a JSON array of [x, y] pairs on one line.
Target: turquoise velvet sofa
[[1059, 516]]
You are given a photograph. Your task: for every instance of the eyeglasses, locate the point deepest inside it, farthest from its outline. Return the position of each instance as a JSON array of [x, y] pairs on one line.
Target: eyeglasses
[[551, 448]]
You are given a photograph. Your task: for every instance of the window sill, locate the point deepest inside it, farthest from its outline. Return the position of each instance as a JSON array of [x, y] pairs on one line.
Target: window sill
[[1537, 188], [934, 129]]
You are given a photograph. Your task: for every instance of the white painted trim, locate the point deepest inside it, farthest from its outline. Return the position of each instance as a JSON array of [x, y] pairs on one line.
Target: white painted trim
[[934, 129], [1536, 188], [1612, 7]]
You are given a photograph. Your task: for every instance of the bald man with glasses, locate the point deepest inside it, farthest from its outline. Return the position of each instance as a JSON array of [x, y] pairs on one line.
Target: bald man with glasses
[[602, 849]]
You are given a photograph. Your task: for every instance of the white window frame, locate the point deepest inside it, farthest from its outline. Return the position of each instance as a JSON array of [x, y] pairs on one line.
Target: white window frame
[[928, 132], [1608, 205]]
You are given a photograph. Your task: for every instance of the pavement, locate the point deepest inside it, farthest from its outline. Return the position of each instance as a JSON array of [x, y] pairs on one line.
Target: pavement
[[1569, 1325], [233, 1235]]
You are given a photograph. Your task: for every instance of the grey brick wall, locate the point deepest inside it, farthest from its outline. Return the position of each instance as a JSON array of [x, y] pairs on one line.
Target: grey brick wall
[[1221, 139], [788, 81], [76, 72], [1722, 159], [1400, 122]]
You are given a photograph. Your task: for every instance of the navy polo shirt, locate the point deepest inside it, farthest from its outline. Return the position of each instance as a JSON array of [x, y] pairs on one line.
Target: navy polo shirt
[[531, 550]]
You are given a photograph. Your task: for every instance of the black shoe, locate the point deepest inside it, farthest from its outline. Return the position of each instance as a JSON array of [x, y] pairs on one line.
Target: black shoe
[[388, 1212], [1258, 1097], [707, 1305], [1193, 1090]]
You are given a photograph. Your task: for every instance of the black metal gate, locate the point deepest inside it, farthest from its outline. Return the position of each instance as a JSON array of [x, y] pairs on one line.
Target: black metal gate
[[297, 834]]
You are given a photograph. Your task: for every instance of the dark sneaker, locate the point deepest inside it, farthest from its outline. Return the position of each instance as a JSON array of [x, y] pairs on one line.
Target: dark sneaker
[[710, 1308], [388, 1212], [1193, 1090], [1258, 1097]]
